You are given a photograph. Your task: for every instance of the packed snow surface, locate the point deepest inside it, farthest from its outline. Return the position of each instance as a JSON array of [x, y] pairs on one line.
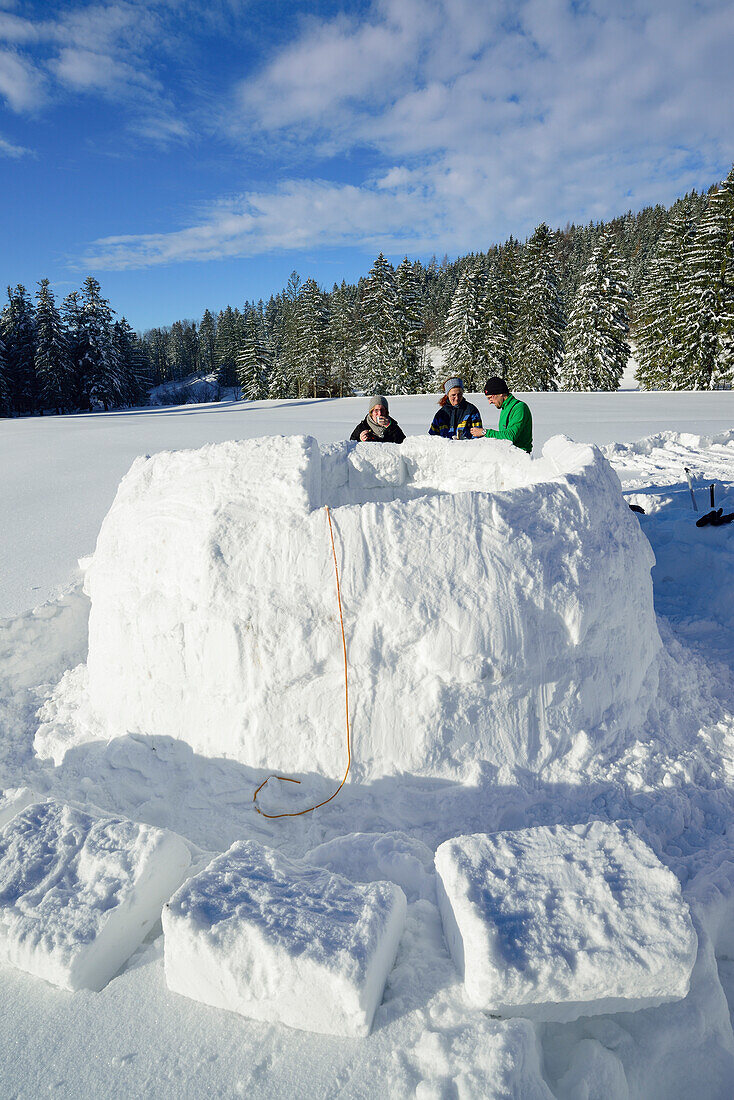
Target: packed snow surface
[[277, 939], [669, 776], [79, 893], [497, 607], [564, 921]]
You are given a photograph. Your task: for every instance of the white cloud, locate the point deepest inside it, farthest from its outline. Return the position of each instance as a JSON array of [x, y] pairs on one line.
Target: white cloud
[[21, 83], [8, 149]]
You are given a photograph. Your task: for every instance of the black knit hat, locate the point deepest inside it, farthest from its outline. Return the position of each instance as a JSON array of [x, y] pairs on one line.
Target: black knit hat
[[495, 385]]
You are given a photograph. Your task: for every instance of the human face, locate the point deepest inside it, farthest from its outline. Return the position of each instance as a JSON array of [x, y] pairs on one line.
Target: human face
[[378, 412], [496, 399], [455, 395]]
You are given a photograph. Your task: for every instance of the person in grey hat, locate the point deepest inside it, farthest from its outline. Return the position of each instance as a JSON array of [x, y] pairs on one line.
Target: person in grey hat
[[378, 426], [457, 417]]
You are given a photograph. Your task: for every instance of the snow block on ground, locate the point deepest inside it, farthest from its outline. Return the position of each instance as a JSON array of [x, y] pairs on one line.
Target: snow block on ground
[[13, 800], [79, 893], [497, 607], [275, 939], [559, 922]]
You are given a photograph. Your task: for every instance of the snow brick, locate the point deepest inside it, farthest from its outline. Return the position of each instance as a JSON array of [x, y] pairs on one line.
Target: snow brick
[[79, 893], [275, 939], [559, 922]]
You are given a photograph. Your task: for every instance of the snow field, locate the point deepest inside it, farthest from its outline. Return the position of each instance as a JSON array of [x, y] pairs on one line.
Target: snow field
[[557, 923], [275, 939], [79, 893], [497, 607]]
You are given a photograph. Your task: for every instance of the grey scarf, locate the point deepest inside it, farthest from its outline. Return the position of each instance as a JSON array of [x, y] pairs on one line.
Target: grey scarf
[[377, 429]]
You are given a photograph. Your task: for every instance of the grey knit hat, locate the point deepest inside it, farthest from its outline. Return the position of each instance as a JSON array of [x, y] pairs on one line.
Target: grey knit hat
[[378, 400], [451, 383]]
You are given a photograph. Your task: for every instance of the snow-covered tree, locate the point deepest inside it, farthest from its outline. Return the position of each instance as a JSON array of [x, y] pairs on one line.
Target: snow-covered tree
[[660, 324], [343, 339], [708, 296], [538, 346], [53, 367], [133, 361], [494, 351], [18, 332], [253, 361], [381, 313], [207, 343], [597, 351], [5, 407], [311, 321], [410, 372], [100, 363], [227, 344]]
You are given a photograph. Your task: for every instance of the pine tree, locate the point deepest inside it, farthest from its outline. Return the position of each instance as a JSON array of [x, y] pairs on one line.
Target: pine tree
[[253, 362], [464, 329], [228, 343], [73, 318], [100, 364], [5, 407], [597, 351], [661, 321], [410, 366], [493, 354], [133, 361], [18, 331], [311, 320], [538, 348], [381, 348], [343, 338], [708, 296], [207, 343], [52, 364]]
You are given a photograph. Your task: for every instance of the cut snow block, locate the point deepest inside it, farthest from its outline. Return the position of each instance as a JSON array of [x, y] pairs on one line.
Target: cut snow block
[[78, 893], [13, 800], [276, 939], [565, 921]]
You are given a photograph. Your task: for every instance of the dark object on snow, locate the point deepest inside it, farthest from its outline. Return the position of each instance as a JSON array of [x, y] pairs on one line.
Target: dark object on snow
[[636, 508], [711, 495], [714, 519]]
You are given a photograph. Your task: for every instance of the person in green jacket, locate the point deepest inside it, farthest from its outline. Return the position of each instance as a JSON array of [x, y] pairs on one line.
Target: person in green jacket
[[516, 423]]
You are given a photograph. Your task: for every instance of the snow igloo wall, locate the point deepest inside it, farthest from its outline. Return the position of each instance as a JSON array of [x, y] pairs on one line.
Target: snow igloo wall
[[496, 607]]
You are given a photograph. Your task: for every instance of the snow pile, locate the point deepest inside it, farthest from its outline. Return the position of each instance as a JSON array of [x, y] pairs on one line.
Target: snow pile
[[497, 607], [559, 922], [79, 893], [13, 800], [276, 939]]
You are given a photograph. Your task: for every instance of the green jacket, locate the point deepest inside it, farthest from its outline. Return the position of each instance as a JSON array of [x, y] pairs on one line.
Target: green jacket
[[516, 424]]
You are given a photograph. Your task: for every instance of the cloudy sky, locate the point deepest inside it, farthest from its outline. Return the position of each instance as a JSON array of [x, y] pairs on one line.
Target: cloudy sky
[[193, 154]]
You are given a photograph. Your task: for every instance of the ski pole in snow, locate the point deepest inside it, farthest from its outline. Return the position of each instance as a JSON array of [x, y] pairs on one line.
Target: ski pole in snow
[[690, 486], [711, 495]]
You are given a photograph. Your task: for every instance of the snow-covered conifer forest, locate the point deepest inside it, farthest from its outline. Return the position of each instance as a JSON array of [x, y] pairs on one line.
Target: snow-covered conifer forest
[[553, 313]]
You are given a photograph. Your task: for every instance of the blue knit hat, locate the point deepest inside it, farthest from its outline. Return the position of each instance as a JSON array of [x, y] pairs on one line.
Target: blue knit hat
[[451, 383]]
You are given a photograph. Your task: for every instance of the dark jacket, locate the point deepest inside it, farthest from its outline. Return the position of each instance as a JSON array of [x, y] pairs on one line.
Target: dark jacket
[[456, 423], [393, 433], [516, 424]]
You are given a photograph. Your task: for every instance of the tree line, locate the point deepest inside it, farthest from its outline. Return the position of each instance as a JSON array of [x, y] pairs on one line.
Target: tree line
[[554, 312]]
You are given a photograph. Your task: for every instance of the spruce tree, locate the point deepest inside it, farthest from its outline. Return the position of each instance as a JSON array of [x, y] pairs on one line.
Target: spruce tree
[[380, 350], [207, 343], [410, 372], [596, 350], [661, 322], [18, 331], [464, 328], [73, 318], [538, 347], [343, 338], [253, 363], [100, 360], [311, 320], [5, 407], [52, 364], [493, 353], [133, 363], [708, 296]]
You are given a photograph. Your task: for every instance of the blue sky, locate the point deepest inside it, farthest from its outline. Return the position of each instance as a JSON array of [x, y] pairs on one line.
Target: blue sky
[[191, 155]]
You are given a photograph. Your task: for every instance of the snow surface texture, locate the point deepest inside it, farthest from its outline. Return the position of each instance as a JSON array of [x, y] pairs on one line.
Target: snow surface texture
[[79, 893], [561, 922], [276, 939], [497, 608]]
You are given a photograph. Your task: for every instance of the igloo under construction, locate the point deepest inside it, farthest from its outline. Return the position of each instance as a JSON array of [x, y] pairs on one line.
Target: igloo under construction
[[496, 607]]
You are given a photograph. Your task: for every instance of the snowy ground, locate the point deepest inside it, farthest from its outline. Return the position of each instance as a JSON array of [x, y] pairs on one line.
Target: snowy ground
[[672, 781]]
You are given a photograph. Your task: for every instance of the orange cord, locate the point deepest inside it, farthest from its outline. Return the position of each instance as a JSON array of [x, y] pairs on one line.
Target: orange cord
[[285, 778]]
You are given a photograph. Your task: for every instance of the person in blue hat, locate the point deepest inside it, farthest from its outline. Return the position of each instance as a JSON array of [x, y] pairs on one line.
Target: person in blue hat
[[457, 417]]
